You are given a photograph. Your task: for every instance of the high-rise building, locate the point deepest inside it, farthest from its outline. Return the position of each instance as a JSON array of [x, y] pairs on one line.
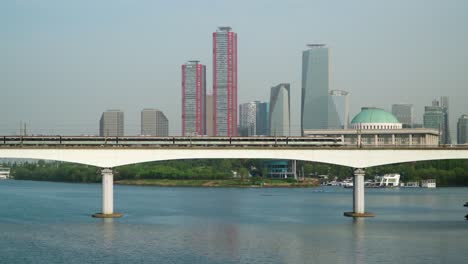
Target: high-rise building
[[444, 103], [209, 115], [111, 124], [437, 116], [340, 100], [248, 119], [404, 113], [462, 130], [225, 82], [280, 110], [262, 119], [317, 108], [154, 123], [193, 99]]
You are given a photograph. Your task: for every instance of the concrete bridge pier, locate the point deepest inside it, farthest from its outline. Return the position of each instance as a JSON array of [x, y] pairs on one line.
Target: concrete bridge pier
[[358, 195], [107, 195]]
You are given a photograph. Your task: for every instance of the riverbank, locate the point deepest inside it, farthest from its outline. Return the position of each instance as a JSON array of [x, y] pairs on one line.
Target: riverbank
[[268, 183]]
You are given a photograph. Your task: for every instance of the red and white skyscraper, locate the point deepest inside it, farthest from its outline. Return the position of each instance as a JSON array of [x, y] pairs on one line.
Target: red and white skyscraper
[[225, 82], [193, 99]]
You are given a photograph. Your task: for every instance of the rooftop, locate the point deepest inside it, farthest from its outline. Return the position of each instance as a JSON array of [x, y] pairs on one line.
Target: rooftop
[[374, 115]]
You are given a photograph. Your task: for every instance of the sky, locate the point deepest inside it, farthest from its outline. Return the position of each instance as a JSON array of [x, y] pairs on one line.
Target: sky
[[62, 63]]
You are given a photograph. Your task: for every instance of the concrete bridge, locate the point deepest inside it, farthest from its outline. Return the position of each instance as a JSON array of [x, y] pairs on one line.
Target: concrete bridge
[[108, 157]]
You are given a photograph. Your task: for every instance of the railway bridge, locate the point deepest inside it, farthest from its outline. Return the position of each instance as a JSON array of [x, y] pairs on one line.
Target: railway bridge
[[108, 154]]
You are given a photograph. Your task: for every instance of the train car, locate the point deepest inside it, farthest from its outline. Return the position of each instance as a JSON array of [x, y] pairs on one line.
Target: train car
[[86, 141], [143, 141], [150, 141], [32, 140]]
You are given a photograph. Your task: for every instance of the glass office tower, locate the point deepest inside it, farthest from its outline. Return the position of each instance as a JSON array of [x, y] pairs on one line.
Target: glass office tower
[[340, 100], [280, 110], [404, 113], [462, 130], [317, 108]]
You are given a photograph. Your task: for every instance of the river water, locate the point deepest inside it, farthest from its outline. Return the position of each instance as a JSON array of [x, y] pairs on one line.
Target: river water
[[43, 222]]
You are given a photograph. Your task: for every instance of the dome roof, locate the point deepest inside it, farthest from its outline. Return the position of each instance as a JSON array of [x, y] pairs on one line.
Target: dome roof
[[374, 115]]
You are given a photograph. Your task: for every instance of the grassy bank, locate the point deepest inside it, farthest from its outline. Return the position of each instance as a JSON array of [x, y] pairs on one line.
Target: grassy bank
[[220, 183]]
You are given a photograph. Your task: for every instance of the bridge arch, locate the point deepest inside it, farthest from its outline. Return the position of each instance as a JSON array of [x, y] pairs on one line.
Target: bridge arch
[[115, 157]]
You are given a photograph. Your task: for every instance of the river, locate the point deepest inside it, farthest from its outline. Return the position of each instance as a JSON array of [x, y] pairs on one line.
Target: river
[[44, 222]]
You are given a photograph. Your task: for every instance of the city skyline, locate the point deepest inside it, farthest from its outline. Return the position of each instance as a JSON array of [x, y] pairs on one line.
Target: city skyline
[[43, 60]]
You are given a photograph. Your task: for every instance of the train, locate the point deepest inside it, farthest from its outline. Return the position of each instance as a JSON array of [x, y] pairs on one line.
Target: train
[[150, 141]]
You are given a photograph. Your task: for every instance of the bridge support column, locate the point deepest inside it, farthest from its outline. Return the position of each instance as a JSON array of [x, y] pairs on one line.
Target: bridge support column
[[107, 195], [358, 196]]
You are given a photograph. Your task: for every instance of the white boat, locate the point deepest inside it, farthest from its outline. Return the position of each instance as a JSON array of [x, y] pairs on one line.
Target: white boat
[[4, 173], [385, 181], [410, 185], [347, 184], [431, 183]]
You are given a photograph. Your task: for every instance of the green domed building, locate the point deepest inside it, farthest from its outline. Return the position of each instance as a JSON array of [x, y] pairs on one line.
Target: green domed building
[[375, 118], [377, 127]]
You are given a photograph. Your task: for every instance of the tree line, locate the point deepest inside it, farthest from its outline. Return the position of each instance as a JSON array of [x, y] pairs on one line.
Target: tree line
[[446, 172]]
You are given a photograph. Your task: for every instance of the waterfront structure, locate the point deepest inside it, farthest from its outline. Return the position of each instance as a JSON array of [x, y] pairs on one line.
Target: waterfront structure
[[209, 115], [317, 108], [225, 82], [111, 124], [280, 110], [340, 101], [154, 123], [193, 99], [280, 169], [462, 130], [404, 113], [436, 116], [262, 119], [376, 127], [248, 119]]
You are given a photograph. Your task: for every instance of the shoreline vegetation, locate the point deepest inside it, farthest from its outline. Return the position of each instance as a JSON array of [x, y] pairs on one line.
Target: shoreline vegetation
[[234, 183], [232, 173]]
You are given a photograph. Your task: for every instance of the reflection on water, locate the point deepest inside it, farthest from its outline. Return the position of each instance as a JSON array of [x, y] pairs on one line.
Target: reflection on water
[[107, 227], [50, 223], [359, 249]]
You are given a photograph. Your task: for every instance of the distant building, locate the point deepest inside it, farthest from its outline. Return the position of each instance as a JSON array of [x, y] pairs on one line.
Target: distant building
[[262, 119], [462, 130], [404, 113], [248, 119], [317, 108], [279, 169], [436, 117], [340, 100], [111, 124], [444, 102], [193, 99], [209, 115], [280, 110], [376, 127], [154, 123], [225, 82]]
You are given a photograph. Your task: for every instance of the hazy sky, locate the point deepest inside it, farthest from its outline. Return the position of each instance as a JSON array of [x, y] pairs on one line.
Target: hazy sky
[[62, 63]]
